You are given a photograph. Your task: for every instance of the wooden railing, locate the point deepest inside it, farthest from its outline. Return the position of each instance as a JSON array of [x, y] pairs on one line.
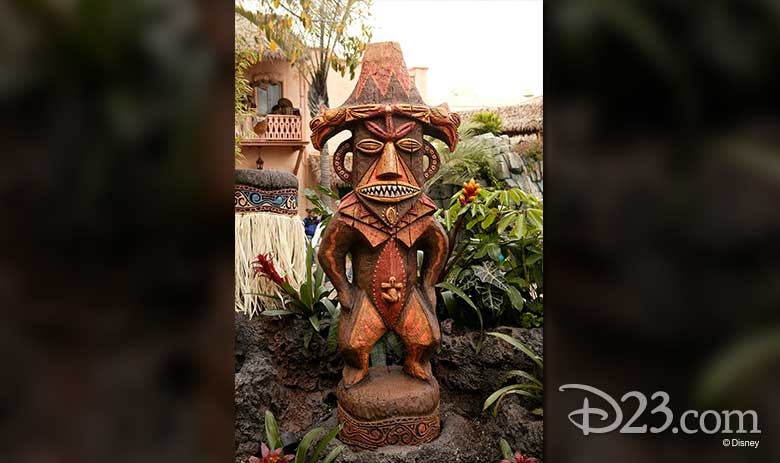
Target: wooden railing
[[279, 128]]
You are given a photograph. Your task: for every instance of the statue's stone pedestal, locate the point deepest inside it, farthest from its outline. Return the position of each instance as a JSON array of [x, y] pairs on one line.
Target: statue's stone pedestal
[[388, 407]]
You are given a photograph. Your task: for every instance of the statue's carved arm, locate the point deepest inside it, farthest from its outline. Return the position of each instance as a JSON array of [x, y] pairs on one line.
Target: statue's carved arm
[[334, 246], [434, 244]]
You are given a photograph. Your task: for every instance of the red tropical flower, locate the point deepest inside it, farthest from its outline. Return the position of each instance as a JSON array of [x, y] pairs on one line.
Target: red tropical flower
[[264, 266], [271, 457], [518, 458]]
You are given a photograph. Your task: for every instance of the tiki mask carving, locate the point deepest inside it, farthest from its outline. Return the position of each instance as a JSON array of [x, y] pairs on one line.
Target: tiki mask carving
[[382, 225]]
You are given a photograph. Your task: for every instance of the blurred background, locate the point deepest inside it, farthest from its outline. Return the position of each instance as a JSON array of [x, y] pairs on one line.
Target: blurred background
[[662, 190], [115, 236]]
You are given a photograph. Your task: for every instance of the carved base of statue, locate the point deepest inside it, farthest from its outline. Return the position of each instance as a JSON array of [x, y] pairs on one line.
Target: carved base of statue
[[388, 407]]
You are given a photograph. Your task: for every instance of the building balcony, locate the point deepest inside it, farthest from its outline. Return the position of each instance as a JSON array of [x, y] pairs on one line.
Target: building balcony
[[274, 130]]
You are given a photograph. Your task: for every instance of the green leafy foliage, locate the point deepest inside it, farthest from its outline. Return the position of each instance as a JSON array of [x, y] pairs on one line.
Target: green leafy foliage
[[495, 271], [272, 431], [486, 122], [531, 386], [243, 59], [318, 206], [305, 453], [506, 450], [312, 301], [473, 158]]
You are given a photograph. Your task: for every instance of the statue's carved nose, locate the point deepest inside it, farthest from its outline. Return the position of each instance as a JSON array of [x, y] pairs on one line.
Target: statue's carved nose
[[388, 163]]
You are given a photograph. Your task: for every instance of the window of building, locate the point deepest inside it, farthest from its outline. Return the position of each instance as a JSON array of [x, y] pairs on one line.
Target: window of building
[[267, 94]]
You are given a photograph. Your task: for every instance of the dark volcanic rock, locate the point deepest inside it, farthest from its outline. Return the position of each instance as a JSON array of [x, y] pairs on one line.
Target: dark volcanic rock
[[275, 371], [459, 366]]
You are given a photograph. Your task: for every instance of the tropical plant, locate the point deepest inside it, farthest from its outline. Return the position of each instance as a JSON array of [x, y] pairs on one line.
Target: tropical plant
[[473, 158], [318, 206], [496, 262], [517, 457], [312, 301], [302, 453], [532, 388], [486, 122], [244, 57], [269, 456], [325, 34]]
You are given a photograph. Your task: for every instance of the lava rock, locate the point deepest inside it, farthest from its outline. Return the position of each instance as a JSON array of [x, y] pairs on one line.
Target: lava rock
[[459, 366]]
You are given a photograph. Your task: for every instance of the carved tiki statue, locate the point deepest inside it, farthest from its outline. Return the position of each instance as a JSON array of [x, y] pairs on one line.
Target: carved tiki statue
[[382, 224]]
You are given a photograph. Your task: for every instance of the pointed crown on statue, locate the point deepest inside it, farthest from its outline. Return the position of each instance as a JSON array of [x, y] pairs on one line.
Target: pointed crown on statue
[[384, 86]]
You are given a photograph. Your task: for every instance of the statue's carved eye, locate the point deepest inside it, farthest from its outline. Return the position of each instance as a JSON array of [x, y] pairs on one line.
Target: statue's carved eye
[[409, 145], [370, 146]]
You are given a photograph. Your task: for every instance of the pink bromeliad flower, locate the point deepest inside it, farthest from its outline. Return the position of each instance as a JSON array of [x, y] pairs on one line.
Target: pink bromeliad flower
[[518, 458], [271, 457]]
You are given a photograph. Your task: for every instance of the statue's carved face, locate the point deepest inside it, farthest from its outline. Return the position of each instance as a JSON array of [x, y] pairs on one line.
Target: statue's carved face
[[388, 165]]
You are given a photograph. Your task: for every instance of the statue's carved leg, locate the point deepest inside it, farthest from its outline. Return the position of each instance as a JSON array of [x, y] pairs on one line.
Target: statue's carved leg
[[359, 330], [420, 333]]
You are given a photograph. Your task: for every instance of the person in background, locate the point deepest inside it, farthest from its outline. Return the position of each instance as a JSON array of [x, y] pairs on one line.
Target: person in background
[[310, 223]]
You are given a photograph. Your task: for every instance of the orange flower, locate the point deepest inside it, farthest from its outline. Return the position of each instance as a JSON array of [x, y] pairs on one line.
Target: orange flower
[[470, 190]]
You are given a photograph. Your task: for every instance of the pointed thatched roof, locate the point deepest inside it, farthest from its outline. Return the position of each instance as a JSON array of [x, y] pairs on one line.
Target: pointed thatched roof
[[248, 36], [524, 118]]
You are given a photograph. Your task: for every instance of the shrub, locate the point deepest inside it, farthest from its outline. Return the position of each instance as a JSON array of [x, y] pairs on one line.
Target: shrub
[[486, 122], [495, 270]]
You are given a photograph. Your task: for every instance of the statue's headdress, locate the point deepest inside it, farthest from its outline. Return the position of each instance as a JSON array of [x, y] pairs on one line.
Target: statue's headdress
[[385, 88]]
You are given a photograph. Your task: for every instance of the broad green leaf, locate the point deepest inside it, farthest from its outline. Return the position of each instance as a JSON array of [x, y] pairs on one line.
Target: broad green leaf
[[506, 451], [319, 275], [272, 431], [449, 303], [533, 258], [289, 289], [491, 197], [519, 229], [489, 220], [496, 395], [324, 443], [519, 345], [505, 221], [306, 293], [518, 392], [515, 298], [494, 251], [332, 310], [458, 292], [303, 447], [314, 319], [473, 222], [333, 454], [274, 313]]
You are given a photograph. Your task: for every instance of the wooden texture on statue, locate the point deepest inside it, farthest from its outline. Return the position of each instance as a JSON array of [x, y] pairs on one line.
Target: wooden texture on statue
[[383, 224]]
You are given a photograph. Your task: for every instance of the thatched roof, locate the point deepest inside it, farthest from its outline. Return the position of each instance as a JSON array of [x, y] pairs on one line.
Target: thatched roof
[[248, 36], [526, 117]]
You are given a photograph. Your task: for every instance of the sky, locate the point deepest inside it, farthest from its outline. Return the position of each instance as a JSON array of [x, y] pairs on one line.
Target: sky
[[479, 52]]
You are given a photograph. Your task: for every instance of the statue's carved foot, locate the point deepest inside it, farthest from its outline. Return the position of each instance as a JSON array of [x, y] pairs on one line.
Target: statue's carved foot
[[418, 370], [353, 376]]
